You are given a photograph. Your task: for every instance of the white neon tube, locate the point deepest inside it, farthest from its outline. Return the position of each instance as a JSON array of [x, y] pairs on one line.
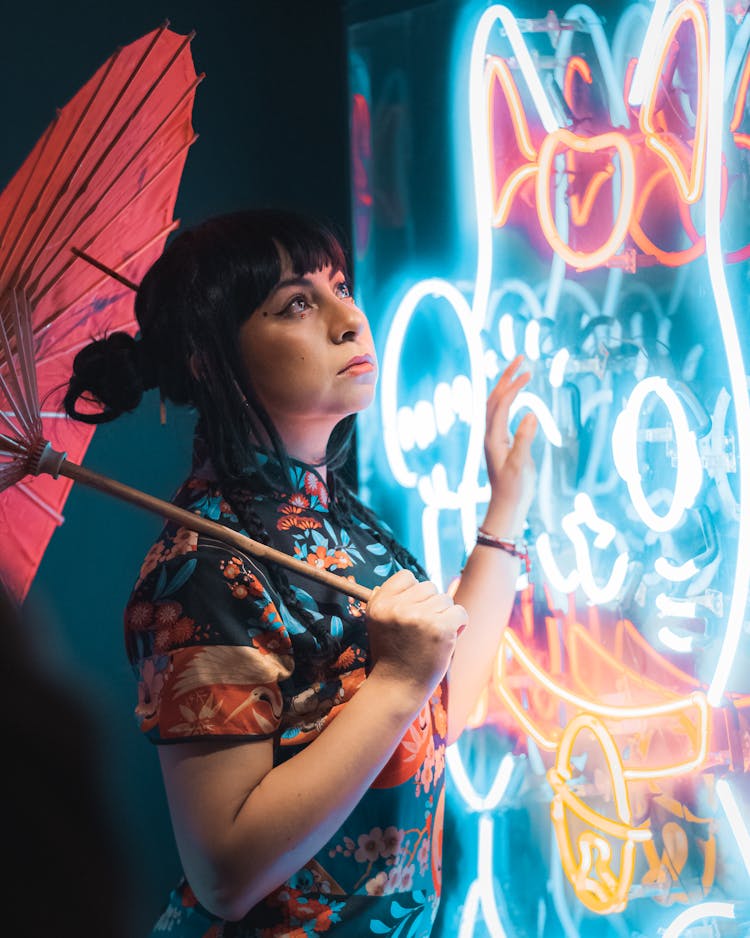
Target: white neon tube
[[473, 800], [644, 75], [737, 371], [584, 14], [480, 147], [625, 454], [737, 823], [695, 914]]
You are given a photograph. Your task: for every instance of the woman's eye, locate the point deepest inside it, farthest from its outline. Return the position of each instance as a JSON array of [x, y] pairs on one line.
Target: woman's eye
[[295, 306], [342, 289]]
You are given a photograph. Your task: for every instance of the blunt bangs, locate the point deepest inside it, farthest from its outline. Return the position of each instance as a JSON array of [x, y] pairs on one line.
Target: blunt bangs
[[244, 263]]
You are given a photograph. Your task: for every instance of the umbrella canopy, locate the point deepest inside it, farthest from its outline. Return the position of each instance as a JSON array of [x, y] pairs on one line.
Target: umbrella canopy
[[102, 180]]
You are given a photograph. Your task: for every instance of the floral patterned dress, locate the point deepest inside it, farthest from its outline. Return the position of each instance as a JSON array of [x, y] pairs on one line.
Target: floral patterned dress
[[218, 655]]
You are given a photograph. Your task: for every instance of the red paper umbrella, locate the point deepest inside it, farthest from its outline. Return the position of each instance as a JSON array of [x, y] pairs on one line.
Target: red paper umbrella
[[102, 180], [80, 223]]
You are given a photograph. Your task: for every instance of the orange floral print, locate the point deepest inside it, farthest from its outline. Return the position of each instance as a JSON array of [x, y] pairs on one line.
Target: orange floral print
[[140, 616], [297, 521]]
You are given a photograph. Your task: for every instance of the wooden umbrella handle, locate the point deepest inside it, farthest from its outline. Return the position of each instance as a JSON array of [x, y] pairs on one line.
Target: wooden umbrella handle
[[205, 526]]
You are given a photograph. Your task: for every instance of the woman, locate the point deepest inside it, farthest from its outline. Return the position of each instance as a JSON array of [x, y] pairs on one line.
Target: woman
[[301, 737]]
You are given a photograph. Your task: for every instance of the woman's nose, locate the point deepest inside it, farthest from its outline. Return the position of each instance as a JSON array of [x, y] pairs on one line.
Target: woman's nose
[[347, 321]]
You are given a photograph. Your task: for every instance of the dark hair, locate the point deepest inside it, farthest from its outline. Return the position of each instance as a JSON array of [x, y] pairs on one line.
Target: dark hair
[[190, 306]]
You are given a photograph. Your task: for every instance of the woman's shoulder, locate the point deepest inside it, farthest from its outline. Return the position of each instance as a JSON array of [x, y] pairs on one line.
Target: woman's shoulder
[[202, 568]]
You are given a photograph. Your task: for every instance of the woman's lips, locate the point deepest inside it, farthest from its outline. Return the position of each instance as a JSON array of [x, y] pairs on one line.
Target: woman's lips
[[359, 365]]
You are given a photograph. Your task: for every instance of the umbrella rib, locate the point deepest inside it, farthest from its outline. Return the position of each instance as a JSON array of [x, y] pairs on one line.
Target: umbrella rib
[[14, 446], [80, 252], [64, 185], [12, 389], [7, 419], [10, 474], [77, 252], [163, 233], [34, 288], [42, 291], [40, 503], [47, 136], [115, 139], [25, 346]]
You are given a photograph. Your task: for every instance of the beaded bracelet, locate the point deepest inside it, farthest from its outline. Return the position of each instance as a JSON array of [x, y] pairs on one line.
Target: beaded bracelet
[[516, 548]]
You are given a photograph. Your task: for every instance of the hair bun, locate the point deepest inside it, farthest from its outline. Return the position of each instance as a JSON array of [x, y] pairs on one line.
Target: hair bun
[[114, 371]]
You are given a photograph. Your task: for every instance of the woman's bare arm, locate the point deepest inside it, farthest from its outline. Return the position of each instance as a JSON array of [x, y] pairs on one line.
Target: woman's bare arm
[[242, 826], [488, 582]]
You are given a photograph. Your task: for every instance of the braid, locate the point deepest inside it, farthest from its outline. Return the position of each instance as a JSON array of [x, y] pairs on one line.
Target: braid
[[348, 504], [242, 507]]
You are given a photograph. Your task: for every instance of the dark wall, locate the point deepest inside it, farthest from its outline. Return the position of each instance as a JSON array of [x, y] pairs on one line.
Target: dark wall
[[272, 119]]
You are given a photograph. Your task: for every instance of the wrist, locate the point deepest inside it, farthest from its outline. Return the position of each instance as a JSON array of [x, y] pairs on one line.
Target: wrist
[[502, 521], [404, 695], [515, 547]]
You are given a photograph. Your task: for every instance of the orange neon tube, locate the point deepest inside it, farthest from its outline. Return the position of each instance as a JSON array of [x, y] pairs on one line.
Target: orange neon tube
[[693, 706], [605, 892], [585, 260]]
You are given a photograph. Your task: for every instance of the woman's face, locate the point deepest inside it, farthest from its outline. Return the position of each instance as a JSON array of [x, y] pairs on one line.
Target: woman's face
[[310, 357]]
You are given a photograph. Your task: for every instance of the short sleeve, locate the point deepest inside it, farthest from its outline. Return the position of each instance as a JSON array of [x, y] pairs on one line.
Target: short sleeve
[[208, 646]]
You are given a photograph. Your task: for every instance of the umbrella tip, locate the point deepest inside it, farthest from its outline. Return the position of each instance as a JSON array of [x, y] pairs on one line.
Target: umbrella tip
[[165, 24]]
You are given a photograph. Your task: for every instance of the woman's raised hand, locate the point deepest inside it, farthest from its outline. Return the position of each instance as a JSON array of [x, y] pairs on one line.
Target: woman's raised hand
[[510, 468], [413, 629]]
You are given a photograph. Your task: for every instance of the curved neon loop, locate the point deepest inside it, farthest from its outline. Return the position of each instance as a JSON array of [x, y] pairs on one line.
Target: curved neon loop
[[557, 367], [677, 573], [582, 574], [585, 260], [389, 378], [603, 892], [498, 73], [683, 645], [680, 608], [584, 14], [536, 405], [695, 914], [561, 774], [625, 453], [575, 66]]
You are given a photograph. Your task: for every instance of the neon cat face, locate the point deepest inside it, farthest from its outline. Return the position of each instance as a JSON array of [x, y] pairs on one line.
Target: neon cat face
[[627, 441], [593, 194]]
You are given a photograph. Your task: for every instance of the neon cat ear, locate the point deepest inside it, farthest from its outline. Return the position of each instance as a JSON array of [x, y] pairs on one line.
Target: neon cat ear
[[688, 173], [506, 151]]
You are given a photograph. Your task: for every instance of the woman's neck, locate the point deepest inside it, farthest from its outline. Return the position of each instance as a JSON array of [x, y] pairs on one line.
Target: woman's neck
[[304, 446]]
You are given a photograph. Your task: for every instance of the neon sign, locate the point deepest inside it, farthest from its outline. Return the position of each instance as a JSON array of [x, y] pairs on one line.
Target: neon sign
[[604, 173]]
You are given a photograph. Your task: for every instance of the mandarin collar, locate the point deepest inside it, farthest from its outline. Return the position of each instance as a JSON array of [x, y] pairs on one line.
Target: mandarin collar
[[269, 474]]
